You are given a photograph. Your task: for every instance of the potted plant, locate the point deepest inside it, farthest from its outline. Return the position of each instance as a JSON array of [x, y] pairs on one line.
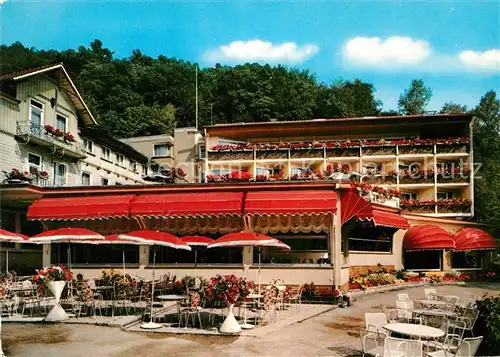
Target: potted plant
[[17, 176], [229, 289], [55, 277]]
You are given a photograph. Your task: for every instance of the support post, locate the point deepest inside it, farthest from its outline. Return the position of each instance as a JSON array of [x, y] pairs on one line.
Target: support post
[[47, 251], [447, 264], [18, 227], [143, 256], [337, 241]]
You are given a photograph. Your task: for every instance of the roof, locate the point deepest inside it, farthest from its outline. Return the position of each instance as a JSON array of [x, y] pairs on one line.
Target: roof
[[98, 136], [146, 138], [332, 120], [389, 126], [65, 82]]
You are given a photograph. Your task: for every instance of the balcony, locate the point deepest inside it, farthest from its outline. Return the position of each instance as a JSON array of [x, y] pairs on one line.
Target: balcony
[[38, 135], [444, 207]]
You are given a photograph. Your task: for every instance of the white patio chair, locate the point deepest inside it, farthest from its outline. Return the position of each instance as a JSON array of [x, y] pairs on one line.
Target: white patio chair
[[191, 310], [467, 348], [391, 314], [374, 321], [454, 333], [430, 294], [398, 347], [372, 342], [403, 296], [469, 316], [403, 308]]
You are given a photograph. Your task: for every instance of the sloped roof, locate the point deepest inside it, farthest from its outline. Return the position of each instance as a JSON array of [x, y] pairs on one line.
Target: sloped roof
[[65, 82]]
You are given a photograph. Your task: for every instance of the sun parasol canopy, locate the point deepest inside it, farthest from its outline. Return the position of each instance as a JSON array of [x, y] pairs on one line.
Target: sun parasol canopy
[[245, 239], [200, 241], [153, 237], [10, 237], [66, 234], [427, 237]]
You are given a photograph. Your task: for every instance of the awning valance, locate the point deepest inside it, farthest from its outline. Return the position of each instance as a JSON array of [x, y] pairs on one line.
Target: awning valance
[[384, 218], [80, 208], [199, 204], [474, 239], [427, 237], [266, 203]]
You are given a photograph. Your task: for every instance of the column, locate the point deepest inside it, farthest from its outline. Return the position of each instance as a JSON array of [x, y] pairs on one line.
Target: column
[[47, 251], [447, 262], [143, 256], [247, 256], [18, 227], [337, 241]]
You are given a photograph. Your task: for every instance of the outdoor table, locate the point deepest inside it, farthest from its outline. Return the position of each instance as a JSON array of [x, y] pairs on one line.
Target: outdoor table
[[427, 302], [420, 331], [432, 312]]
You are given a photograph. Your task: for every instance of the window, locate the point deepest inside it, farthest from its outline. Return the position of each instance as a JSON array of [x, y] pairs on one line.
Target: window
[[60, 174], [297, 171], [144, 169], [467, 260], [306, 249], [201, 152], [118, 183], [262, 171], [372, 169], [410, 196], [95, 253], [220, 172], [89, 145], [106, 154], [161, 150], [34, 163], [104, 181], [61, 123], [423, 260], [85, 179], [120, 160], [36, 113], [369, 239], [133, 166], [166, 255], [443, 195]]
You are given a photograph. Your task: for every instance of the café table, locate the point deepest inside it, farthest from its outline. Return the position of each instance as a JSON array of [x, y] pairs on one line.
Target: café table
[[432, 312], [172, 298], [427, 302], [245, 325], [415, 330]]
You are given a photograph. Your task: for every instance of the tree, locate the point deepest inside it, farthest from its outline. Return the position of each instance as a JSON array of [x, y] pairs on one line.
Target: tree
[[486, 148], [415, 99], [145, 120], [453, 108]]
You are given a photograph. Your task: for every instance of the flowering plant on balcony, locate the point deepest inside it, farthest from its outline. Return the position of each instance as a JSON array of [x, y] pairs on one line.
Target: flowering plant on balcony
[[58, 133], [309, 175], [69, 137], [365, 189], [44, 175], [231, 147], [336, 167], [416, 175], [453, 174], [235, 176], [49, 129], [448, 203], [16, 174]]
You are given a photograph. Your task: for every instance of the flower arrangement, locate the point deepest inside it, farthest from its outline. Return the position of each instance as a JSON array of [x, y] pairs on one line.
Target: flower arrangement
[[49, 129], [43, 175], [228, 289], [235, 176], [53, 273], [365, 189], [341, 144], [448, 203], [69, 137], [16, 174]]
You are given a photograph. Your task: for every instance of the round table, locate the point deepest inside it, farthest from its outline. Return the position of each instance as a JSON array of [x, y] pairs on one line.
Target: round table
[[420, 331], [432, 312], [427, 302], [172, 297]]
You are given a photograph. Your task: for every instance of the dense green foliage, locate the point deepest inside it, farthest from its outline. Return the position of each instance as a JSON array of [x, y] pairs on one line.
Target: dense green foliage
[[130, 96], [486, 149], [488, 325], [415, 99]]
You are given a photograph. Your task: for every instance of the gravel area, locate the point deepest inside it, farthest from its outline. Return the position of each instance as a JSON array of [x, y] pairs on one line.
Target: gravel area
[[334, 333]]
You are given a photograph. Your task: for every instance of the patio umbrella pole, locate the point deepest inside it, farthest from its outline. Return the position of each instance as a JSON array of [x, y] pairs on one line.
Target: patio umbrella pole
[[123, 257], [195, 257], [7, 260], [259, 271], [152, 325]]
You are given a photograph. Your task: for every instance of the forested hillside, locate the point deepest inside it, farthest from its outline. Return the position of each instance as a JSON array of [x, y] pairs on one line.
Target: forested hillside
[[140, 95], [131, 96]]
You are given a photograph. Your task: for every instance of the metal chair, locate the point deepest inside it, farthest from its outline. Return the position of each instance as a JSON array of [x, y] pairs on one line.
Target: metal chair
[[403, 296], [454, 332], [469, 316], [192, 310], [398, 347], [391, 314], [430, 294], [404, 314], [467, 348], [372, 342], [374, 321]]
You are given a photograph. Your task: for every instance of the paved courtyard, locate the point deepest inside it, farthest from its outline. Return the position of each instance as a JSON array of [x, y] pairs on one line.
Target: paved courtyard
[[334, 333]]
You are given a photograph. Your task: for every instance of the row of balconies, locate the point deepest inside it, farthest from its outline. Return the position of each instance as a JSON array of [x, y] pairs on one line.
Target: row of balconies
[[336, 149]]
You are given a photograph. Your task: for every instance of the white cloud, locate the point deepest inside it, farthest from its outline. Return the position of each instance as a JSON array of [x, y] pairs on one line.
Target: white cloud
[[487, 60], [2, 1], [395, 50], [262, 51]]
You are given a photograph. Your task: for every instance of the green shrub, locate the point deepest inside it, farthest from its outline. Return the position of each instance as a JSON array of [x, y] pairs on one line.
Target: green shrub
[[488, 325]]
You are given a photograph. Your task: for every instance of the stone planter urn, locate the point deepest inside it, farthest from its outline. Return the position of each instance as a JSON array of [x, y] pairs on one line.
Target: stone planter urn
[[57, 313]]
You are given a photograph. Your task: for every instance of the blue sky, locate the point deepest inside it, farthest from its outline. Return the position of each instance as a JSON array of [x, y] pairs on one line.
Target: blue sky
[[454, 46]]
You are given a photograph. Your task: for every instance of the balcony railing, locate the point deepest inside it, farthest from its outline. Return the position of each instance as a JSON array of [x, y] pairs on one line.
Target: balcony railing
[[32, 130]]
